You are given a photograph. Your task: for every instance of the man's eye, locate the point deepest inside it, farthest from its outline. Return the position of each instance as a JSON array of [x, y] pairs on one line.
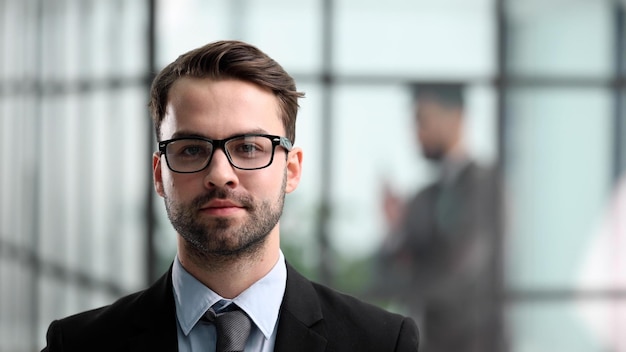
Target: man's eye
[[248, 148], [192, 150]]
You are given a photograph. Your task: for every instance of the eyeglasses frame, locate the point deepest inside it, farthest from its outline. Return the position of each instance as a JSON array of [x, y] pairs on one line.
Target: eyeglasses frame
[[221, 144]]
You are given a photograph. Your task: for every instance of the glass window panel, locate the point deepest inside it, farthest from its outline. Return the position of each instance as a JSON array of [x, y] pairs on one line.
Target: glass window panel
[[373, 145], [23, 27], [69, 67], [481, 126], [604, 320], [78, 161], [127, 163], [558, 174], [79, 40], [71, 178], [104, 137], [51, 24], [622, 133], [560, 38], [18, 299], [309, 137], [132, 37], [103, 40], [91, 202], [18, 26], [132, 162], [185, 25], [288, 31], [8, 159], [299, 224], [562, 326], [51, 189], [415, 38], [51, 305], [5, 297], [604, 264], [18, 163]]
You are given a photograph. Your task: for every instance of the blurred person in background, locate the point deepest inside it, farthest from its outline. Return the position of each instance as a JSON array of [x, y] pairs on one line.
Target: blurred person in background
[[225, 118], [438, 260]]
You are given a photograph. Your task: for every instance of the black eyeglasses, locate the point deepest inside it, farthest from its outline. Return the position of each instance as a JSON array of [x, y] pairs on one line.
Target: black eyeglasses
[[244, 152]]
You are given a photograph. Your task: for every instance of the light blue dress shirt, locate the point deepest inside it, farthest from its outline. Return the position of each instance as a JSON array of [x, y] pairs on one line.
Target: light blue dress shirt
[[261, 302]]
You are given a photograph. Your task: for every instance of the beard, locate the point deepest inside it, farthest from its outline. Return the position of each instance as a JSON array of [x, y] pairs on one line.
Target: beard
[[220, 239]]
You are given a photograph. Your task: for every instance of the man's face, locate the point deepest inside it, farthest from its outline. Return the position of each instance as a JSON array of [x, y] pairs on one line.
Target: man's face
[[438, 128], [223, 211]]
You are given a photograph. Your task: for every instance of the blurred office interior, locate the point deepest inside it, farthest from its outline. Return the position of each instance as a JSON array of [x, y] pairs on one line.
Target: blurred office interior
[[80, 224]]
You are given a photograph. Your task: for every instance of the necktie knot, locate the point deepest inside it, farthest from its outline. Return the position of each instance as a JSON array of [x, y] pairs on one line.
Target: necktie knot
[[233, 328]]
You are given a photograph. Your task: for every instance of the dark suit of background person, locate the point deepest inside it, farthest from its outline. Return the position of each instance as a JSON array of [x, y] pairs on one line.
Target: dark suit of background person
[[438, 260], [225, 116]]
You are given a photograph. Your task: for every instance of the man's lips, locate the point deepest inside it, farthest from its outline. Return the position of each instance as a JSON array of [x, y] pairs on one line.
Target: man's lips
[[221, 207]]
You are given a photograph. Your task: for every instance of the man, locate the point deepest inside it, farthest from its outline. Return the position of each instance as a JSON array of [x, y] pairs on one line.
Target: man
[[439, 258], [225, 116]]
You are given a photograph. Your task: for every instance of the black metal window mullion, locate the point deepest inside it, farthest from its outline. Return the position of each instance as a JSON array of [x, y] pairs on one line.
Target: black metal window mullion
[[151, 261], [619, 124]]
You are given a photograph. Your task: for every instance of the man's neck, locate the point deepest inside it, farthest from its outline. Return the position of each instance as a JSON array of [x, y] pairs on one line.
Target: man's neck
[[229, 277]]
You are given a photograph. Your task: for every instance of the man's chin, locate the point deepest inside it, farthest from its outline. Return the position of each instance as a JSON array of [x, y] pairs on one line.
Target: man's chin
[[228, 251]]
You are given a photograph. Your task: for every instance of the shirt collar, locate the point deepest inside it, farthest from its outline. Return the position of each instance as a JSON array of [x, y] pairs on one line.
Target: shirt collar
[[261, 301]]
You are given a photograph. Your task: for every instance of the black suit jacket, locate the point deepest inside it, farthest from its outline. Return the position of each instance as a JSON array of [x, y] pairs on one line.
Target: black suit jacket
[[313, 318]]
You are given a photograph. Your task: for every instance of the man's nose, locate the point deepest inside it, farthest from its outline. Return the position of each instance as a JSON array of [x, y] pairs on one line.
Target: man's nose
[[219, 172]]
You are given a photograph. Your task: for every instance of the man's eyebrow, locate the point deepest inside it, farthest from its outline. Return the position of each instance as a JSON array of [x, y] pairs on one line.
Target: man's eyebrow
[[186, 134], [195, 134], [255, 131]]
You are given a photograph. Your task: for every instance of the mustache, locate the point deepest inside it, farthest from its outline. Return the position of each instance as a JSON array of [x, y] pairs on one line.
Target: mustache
[[222, 193]]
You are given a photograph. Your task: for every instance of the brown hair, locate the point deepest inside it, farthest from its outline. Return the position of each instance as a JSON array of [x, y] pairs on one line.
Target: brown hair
[[228, 60]]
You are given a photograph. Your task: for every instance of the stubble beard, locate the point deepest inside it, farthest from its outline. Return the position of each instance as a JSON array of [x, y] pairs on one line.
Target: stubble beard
[[219, 241]]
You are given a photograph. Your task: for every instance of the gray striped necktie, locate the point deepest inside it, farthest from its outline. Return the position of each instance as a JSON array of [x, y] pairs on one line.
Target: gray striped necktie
[[233, 328]]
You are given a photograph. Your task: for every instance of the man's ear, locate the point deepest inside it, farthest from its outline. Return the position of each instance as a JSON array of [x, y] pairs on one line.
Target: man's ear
[[294, 169], [156, 174]]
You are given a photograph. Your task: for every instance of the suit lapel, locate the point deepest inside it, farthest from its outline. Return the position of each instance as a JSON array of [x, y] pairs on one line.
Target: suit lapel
[[155, 318], [301, 325]]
